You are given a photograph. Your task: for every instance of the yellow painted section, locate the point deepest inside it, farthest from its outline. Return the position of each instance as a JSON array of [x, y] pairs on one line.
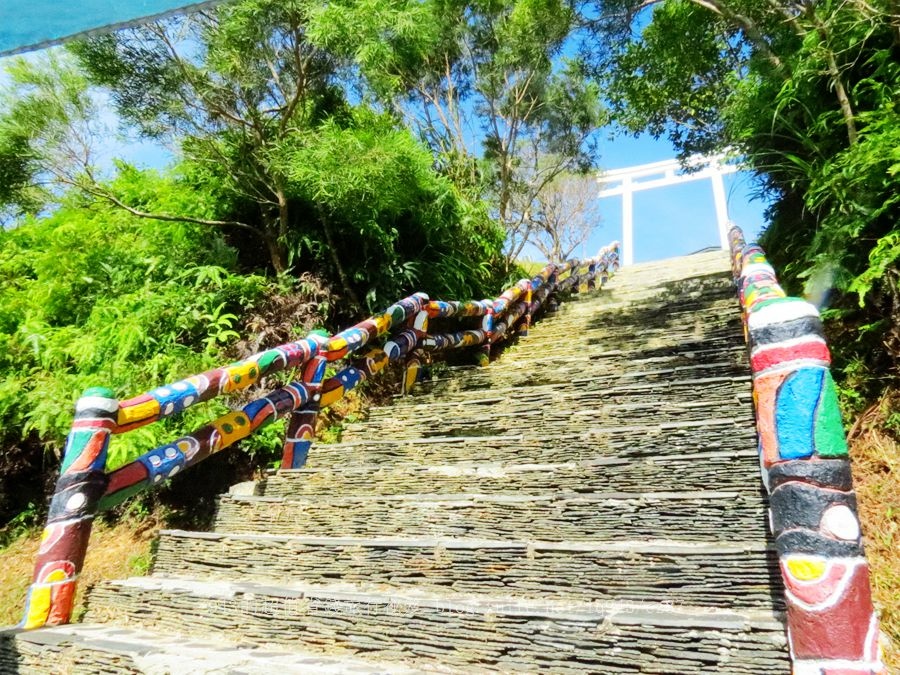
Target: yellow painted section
[[376, 360], [38, 607], [382, 323], [806, 569], [241, 376], [138, 412], [331, 396], [335, 345], [412, 372], [232, 427]]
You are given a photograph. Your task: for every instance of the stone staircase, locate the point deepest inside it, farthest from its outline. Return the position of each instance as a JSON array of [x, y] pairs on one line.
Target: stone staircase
[[590, 502]]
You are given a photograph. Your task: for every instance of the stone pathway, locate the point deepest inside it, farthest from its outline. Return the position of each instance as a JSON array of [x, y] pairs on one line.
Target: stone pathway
[[590, 502]]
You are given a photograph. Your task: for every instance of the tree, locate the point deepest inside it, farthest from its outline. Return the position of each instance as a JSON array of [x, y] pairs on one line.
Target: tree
[[232, 85], [470, 74], [244, 94], [566, 213], [228, 87]]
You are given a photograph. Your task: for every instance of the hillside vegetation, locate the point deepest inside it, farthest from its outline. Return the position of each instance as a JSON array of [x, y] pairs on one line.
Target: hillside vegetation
[[330, 158]]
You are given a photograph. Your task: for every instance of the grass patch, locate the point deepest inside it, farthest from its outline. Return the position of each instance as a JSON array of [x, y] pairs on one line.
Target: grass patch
[[875, 452], [531, 267], [115, 551]]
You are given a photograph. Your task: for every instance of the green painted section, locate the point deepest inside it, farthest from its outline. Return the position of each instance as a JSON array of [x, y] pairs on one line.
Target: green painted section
[[829, 432]]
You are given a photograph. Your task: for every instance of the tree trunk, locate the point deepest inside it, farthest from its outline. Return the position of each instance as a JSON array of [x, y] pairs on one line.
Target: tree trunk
[[277, 254], [332, 251], [843, 99]]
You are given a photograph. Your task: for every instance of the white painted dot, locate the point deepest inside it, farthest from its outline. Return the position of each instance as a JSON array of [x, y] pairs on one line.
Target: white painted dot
[[174, 470], [840, 522], [163, 392], [157, 478], [343, 378], [171, 452], [76, 501], [180, 386], [155, 460], [169, 408], [316, 397], [188, 400]]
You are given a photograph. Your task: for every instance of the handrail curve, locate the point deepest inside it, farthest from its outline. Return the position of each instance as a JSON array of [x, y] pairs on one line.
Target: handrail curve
[[85, 487]]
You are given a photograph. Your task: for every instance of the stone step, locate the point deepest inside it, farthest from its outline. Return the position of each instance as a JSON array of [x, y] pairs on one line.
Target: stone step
[[579, 372], [725, 470], [584, 393], [736, 433], [626, 337], [544, 418], [601, 313], [100, 648], [602, 317], [476, 632], [713, 515], [723, 391], [737, 574]]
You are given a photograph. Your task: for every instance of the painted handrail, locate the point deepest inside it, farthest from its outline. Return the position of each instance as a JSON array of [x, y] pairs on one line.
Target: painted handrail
[[832, 626], [85, 487]]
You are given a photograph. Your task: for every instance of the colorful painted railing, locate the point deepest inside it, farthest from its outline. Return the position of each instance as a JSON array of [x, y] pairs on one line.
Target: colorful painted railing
[[832, 626], [85, 487]]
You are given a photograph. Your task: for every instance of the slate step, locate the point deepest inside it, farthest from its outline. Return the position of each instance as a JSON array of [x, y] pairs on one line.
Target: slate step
[[584, 394], [724, 470], [543, 418], [736, 433], [734, 574], [477, 632], [581, 370], [683, 515], [599, 317], [610, 362], [99, 648], [629, 336]]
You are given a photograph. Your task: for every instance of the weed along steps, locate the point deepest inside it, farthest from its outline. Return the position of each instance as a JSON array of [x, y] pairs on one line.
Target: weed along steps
[[589, 501]]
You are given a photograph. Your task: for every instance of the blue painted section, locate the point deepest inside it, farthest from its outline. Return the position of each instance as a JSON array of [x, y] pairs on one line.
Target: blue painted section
[[301, 454], [32, 24], [795, 411]]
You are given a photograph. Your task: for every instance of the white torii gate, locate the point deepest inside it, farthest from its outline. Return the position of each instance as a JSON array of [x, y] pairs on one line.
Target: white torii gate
[[626, 182]]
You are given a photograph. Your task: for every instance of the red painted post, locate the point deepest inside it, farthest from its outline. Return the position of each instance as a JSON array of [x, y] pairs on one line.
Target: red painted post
[[301, 429], [81, 484]]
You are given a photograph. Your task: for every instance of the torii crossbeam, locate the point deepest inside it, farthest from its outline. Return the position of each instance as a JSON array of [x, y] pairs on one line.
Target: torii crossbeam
[[633, 179]]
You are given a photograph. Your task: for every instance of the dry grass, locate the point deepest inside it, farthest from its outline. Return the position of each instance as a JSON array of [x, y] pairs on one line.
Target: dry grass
[[115, 552], [875, 453]]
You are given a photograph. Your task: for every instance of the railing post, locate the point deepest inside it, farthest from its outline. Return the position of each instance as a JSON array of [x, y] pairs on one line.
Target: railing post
[[592, 271], [526, 320], [831, 621], [483, 355], [82, 481], [301, 428], [551, 300], [413, 363]]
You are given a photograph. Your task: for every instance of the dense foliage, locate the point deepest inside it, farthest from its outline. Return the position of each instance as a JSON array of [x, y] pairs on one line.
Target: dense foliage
[[808, 94], [288, 191], [94, 296]]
